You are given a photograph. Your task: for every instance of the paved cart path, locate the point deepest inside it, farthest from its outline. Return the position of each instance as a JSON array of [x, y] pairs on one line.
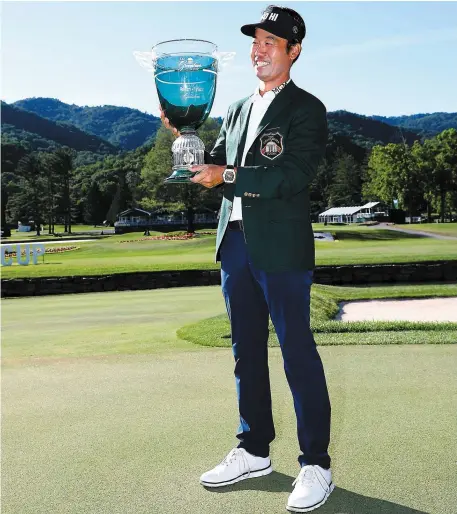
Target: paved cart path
[[385, 226]]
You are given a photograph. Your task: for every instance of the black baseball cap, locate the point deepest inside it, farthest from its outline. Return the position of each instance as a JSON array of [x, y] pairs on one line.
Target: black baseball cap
[[278, 22]]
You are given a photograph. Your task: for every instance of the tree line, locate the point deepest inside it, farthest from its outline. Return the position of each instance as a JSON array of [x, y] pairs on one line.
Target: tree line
[[49, 187], [39, 189], [419, 177]]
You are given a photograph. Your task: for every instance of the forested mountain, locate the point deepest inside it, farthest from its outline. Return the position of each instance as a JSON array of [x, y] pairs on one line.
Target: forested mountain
[[426, 124], [365, 131], [121, 126], [131, 128], [87, 164], [24, 126]]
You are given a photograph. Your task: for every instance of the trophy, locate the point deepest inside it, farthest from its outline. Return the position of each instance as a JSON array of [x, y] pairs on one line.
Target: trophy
[[185, 74]]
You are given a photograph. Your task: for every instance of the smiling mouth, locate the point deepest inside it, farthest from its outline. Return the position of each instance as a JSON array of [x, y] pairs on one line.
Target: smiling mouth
[[261, 64]]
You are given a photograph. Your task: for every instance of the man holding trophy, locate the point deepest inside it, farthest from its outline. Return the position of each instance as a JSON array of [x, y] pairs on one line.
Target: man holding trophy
[[265, 157]]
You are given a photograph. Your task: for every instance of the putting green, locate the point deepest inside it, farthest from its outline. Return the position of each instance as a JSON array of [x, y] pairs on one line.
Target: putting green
[[215, 331], [121, 430], [100, 324]]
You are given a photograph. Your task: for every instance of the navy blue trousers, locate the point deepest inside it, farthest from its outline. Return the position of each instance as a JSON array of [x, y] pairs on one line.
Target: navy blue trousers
[[251, 296]]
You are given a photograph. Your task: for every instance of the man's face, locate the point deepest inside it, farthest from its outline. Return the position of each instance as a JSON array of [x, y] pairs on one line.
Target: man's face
[[269, 56]]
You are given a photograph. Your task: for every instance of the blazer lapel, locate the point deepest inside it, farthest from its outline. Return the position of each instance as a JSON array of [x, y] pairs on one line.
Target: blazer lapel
[[242, 128], [277, 107]]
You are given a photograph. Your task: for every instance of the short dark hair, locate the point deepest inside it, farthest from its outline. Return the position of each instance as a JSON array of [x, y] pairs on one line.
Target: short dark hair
[[301, 24]]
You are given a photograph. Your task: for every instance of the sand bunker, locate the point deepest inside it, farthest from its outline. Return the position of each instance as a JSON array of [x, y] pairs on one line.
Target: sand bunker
[[429, 309]]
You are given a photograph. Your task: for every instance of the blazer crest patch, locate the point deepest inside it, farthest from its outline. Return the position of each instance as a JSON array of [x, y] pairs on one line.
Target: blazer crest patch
[[271, 145]]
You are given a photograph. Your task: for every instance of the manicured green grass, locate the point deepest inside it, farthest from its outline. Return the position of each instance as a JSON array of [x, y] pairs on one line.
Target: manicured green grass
[[363, 245], [81, 228], [321, 227], [97, 324], [449, 229], [19, 235], [215, 331], [356, 246], [58, 229], [111, 256], [106, 411], [143, 322], [445, 229], [15, 235]]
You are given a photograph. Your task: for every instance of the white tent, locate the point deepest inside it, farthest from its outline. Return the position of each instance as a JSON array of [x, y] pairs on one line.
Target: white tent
[[355, 214]]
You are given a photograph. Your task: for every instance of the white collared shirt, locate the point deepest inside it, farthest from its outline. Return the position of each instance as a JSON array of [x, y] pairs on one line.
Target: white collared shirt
[[260, 105]]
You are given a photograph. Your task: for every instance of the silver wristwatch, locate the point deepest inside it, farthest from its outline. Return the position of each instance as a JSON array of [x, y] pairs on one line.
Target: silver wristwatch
[[229, 174]]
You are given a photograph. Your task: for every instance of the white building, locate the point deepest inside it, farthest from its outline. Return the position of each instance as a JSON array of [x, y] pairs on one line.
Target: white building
[[133, 218], [356, 214]]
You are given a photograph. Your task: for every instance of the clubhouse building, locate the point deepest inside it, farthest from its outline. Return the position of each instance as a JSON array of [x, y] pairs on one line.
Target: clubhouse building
[[134, 220]]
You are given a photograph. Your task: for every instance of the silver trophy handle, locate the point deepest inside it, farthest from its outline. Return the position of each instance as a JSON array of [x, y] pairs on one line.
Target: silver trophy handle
[[146, 60]]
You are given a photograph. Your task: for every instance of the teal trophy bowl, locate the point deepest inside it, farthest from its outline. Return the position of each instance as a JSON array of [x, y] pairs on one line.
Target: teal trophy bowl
[[185, 73]]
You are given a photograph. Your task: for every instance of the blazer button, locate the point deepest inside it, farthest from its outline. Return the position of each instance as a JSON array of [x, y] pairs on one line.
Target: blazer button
[[246, 194]]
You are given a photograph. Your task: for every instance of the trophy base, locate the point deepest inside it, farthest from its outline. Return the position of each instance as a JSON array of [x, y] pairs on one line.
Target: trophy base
[[188, 149], [180, 175]]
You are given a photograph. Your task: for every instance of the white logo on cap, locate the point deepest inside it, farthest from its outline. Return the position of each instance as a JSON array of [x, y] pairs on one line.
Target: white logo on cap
[[270, 16], [295, 30]]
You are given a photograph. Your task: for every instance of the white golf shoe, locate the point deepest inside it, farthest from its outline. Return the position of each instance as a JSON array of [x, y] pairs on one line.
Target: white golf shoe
[[237, 466], [312, 488]]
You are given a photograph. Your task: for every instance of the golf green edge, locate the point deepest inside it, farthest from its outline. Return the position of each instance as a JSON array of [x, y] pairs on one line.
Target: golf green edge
[[215, 331]]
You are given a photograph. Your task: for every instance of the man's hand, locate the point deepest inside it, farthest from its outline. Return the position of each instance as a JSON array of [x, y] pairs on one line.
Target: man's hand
[[208, 175], [167, 124]]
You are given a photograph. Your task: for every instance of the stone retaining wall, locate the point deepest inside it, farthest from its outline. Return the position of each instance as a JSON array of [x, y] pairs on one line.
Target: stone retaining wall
[[332, 275], [434, 271]]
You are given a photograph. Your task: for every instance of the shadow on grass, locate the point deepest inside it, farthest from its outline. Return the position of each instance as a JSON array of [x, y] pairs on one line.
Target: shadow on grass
[[275, 482], [375, 235], [341, 501]]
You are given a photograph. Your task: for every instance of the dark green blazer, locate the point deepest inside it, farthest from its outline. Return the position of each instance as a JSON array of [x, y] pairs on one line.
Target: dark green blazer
[[274, 182]]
